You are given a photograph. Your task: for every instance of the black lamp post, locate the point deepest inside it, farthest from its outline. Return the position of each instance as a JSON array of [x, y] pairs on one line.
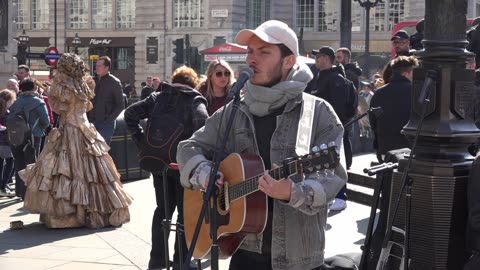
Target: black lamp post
[[24, 41], [76, 42], [367, 4]]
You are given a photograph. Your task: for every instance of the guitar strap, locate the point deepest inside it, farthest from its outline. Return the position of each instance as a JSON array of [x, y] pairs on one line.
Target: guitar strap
[[304, 133]]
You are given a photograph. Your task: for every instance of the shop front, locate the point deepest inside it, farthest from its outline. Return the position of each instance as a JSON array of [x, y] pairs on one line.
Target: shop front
[[120, 49], [234, 54]]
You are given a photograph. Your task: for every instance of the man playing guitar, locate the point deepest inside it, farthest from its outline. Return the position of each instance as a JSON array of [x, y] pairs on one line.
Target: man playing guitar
[[293, 236]]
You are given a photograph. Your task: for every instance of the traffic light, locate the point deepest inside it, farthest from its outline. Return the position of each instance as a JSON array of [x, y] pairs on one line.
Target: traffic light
[[21, 54], [178, 51], [195, 58]]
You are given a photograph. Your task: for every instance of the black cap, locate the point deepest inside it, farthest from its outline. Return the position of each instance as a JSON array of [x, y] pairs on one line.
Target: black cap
[[325, 50], [401, 34]]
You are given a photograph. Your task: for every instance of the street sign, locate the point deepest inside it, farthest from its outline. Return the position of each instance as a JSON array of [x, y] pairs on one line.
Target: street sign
[[94, 57], [36, 55], [52, 56]]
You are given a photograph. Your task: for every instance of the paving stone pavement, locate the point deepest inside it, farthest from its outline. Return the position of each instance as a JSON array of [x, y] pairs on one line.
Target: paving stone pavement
[[36, 247]]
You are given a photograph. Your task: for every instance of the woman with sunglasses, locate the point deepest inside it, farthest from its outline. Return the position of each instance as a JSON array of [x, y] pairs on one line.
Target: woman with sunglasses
[[217, 84]]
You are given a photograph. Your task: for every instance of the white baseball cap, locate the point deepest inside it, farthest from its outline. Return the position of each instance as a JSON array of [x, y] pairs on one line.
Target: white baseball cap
[[274, 32]]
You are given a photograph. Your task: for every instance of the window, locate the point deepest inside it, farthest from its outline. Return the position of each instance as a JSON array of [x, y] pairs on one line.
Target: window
[[188, 13], [125, 14], [22, 14], [102, 14], [357, 17], [377, 18], [396, 12], [317, 15], [383, 17], [328, 12], [258, 11], [78, 14], [40, 14], [124, 58], [306, 15]]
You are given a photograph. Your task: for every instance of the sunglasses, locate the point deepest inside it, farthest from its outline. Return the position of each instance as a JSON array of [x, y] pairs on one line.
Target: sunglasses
[[219, 74]]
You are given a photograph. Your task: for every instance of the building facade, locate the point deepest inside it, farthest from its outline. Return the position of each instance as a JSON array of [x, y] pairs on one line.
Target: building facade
[[139, 34]]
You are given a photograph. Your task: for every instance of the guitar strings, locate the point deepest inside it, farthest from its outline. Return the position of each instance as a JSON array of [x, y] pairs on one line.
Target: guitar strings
[[251, 184]]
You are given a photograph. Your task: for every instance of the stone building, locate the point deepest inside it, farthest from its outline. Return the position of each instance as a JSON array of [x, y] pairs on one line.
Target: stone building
[[139, 34]]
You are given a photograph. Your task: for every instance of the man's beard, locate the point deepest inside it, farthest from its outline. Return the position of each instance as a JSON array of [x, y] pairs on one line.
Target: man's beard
[[275, 75]]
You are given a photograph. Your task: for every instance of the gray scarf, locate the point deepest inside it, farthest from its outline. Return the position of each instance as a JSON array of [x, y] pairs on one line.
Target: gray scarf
[[262, 100]]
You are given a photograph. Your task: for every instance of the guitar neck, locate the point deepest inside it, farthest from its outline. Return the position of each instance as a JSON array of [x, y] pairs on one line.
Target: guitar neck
[[250, 185]]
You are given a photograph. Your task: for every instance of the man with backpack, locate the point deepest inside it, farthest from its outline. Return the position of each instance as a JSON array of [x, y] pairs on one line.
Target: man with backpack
[[26, 124], [331, 85], [173, 113]]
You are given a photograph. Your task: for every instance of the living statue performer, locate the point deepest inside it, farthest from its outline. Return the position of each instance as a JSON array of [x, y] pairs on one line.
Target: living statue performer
[[74, 181]]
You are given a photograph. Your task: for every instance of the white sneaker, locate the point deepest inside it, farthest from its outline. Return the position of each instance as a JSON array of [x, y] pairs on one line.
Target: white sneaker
[[338, 205], [6, 193]]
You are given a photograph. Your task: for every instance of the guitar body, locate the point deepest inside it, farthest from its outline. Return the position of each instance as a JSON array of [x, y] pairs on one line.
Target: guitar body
[[244, 215]]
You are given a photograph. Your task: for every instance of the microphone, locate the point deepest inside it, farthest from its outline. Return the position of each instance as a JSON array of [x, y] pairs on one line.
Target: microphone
[[242, 79], [430, 77]]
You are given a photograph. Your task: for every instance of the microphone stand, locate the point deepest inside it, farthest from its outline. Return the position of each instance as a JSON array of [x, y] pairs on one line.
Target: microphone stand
[[406, 184], [374, 170], [211, 195], [358, 117]]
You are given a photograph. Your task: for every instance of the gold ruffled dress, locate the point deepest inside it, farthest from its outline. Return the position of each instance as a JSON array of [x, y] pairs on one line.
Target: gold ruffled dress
[[75, 181]]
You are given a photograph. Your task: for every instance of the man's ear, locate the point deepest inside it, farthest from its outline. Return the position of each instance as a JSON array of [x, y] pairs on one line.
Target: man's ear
[[289, 61]]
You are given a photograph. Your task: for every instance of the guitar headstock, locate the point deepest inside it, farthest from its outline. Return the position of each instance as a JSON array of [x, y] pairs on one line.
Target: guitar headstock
[[321, 157]]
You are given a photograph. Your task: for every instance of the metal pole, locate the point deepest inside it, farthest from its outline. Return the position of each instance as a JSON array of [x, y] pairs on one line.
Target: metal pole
[[346, 24], [55, 23], [367, 39], [28, 44]]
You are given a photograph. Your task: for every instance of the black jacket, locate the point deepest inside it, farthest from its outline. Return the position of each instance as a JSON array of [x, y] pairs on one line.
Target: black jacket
[[329, 84], [146, 91], [353, 72], [144, 108], [108, 101], [395, 100]]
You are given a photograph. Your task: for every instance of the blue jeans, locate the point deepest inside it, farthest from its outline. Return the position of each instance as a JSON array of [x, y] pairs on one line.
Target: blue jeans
[[106, 129]]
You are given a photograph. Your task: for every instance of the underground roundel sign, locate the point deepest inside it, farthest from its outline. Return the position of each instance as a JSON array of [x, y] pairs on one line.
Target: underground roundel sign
[[51, 56]]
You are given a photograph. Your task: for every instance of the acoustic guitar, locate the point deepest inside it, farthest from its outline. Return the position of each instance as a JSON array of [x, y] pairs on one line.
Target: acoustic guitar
[[242, 208]]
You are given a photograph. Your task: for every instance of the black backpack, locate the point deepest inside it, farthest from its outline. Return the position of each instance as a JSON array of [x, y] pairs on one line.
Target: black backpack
[[352, 98], [18, 129], [169, 123]]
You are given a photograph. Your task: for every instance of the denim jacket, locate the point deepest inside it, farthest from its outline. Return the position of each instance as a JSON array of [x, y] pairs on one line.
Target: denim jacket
[[298, 236]]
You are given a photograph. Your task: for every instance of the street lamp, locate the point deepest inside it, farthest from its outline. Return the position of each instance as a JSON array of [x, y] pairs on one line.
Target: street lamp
[[367, 4], [76, 43], [24, 41]]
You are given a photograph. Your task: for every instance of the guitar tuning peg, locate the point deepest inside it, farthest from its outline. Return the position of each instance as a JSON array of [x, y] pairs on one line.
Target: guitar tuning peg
[[331, 144], [323, 146], [315, 149], [310, 169]]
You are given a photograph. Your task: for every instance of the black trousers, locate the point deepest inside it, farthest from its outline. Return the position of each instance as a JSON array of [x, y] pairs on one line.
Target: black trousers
[[243, 259], [21, 160], [175, 200]]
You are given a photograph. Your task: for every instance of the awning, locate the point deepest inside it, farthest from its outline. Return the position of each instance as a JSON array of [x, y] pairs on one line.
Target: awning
[[225, 48]]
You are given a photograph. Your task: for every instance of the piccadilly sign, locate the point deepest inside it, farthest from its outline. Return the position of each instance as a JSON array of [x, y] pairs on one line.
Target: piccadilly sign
[[104, 41]]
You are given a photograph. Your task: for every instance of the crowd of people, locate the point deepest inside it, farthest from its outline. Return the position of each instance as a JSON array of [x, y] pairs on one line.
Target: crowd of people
[[72, 121]]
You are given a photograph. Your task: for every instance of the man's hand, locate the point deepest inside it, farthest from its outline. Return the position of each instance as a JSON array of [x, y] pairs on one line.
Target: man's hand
[[218, 183], [278, 189]]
